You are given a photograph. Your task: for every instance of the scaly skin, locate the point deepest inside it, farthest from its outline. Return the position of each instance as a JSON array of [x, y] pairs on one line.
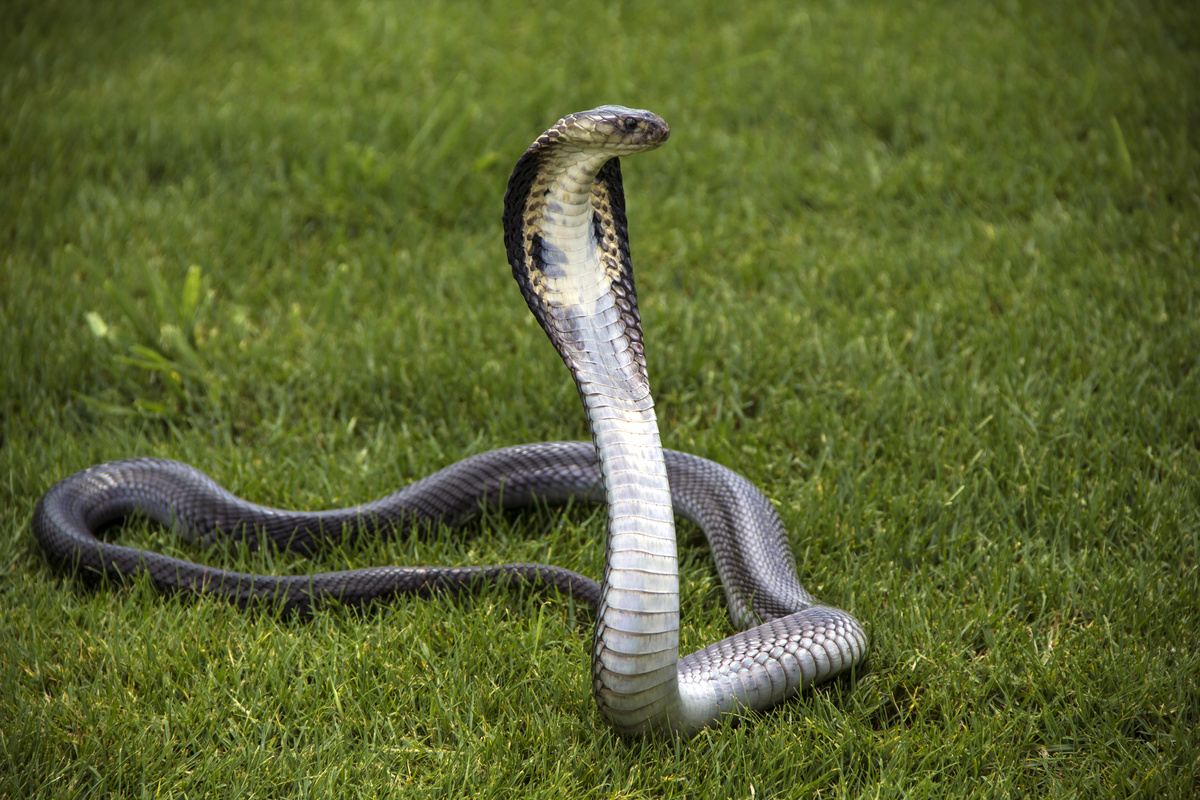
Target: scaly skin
[[566, 236]]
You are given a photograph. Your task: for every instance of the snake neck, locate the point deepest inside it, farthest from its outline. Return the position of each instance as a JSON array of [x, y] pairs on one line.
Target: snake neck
[[577, 278]]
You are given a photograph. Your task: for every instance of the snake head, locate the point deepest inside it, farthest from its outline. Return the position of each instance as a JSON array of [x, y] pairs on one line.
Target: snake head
[[616, 130]]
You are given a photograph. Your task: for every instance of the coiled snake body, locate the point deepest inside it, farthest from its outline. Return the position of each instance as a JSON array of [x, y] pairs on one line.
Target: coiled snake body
[[565, 234]]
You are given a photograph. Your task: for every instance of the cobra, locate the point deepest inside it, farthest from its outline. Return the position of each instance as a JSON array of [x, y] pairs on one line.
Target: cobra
[[565, 233]]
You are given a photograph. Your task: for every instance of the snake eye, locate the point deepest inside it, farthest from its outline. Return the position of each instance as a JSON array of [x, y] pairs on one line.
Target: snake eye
[[631, 123]]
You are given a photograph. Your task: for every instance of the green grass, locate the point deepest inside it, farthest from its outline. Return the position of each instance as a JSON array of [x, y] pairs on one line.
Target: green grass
[[926, 272]]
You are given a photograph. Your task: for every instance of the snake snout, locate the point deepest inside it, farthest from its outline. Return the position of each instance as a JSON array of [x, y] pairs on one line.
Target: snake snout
[[642, 131], [656, 130]]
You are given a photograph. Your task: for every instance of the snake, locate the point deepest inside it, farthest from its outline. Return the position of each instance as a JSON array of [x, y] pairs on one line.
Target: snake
[[566, 239]]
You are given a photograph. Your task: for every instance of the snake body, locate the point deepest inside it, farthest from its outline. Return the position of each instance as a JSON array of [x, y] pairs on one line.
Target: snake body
[[565, 233]]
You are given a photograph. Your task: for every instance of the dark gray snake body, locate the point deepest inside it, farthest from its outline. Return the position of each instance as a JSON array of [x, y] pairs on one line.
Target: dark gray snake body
[[565, 234]]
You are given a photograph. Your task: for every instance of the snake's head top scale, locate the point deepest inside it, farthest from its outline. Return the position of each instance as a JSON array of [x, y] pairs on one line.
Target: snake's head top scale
[[565, 230]]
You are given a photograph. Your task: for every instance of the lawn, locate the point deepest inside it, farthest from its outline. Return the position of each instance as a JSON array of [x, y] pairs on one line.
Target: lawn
[[928, 273]]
